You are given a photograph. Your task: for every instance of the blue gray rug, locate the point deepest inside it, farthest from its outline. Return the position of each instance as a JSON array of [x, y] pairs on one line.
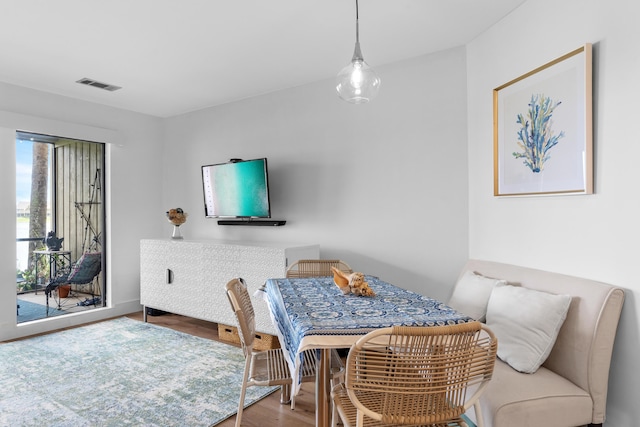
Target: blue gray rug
[[32, 311], [120, 372]]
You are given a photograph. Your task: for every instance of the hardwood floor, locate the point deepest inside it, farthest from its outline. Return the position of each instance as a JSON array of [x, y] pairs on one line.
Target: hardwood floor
[[267, 412]]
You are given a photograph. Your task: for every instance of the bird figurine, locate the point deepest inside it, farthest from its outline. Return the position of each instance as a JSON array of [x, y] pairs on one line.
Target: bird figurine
[[353, 283]]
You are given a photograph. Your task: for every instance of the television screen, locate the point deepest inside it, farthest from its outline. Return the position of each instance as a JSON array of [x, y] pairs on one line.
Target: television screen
[[237, 189]]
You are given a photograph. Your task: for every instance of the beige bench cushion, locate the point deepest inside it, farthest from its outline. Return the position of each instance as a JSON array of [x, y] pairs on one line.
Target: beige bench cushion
[[533, 400]]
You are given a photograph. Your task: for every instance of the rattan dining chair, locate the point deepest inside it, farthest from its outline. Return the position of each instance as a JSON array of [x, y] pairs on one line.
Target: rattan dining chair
[[416, 376], [316, 267], [267, 367]]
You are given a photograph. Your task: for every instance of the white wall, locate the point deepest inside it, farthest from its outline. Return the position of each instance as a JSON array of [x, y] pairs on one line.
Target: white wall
[[591, 236], [132, 189], [382, 186]]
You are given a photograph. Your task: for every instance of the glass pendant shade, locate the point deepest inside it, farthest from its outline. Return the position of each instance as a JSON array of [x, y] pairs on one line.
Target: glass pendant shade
[[357, 83]]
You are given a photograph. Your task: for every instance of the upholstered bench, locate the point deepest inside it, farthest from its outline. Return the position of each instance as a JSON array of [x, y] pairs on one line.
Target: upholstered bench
[[569, 388]]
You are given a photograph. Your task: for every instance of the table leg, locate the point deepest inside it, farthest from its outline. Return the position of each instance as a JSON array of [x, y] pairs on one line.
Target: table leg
[[323, 381]]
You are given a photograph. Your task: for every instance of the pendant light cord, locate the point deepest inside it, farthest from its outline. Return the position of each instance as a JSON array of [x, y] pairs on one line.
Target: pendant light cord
[[357, 24], [357, 83]]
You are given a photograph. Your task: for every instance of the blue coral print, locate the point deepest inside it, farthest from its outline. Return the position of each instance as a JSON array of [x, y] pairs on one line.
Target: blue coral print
[[536, 136]]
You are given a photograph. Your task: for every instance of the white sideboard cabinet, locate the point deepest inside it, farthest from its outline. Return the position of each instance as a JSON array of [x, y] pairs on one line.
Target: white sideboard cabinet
[[188, 277]]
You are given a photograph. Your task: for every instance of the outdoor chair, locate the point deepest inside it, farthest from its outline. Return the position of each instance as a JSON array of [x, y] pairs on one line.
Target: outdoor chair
[[416, 376], [316, 267], [81, 274], [268, 367]]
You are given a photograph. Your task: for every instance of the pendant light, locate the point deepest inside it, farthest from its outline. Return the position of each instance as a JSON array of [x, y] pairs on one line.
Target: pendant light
[[357, 83]]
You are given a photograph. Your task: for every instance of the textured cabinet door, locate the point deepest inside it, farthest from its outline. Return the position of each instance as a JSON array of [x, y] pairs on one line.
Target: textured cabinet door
[[188, 277], [171, 275]]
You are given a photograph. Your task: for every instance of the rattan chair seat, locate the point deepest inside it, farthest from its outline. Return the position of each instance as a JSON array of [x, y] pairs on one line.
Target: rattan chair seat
[[348, 413], [269, 367]]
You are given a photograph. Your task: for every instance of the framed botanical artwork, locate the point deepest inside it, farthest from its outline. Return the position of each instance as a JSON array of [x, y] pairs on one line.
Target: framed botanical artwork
[[542, 129]]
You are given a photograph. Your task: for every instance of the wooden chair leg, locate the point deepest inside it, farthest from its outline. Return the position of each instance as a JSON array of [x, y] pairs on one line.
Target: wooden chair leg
[[243, 390]]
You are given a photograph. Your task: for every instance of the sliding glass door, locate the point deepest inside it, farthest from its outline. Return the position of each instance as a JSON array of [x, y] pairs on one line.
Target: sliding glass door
[[59, 226]]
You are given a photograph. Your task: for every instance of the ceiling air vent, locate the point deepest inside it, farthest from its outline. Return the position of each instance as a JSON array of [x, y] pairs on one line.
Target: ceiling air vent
[[99, 85]]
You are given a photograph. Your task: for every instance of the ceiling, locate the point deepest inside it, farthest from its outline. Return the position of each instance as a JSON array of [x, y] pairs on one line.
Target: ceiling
[[175, 56]]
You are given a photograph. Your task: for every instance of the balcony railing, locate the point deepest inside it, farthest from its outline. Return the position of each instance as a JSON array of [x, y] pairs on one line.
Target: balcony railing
[[26, 280]]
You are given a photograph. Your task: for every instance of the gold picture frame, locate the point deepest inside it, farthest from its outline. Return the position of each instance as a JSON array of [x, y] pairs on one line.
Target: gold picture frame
[[542, 129]]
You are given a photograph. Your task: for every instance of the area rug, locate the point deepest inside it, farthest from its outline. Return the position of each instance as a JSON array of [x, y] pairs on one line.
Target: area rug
[[32, 311], [120, 372]]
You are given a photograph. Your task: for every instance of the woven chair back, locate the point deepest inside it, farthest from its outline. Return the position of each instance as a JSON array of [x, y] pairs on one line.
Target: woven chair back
[[316, 268], [242, 306], [419, 375]]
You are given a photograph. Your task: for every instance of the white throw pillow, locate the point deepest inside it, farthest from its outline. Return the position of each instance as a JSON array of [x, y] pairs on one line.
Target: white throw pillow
[[471, 294], [526, 323]]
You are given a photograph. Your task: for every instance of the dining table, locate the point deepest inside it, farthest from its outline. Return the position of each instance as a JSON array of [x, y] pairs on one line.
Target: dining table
[[313, 313]]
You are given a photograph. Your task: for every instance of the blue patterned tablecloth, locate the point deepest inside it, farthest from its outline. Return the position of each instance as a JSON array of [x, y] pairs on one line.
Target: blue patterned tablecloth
[[313, 313]]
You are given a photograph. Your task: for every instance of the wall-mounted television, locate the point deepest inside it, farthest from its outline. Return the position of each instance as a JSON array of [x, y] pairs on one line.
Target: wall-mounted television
[[237, 189]]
